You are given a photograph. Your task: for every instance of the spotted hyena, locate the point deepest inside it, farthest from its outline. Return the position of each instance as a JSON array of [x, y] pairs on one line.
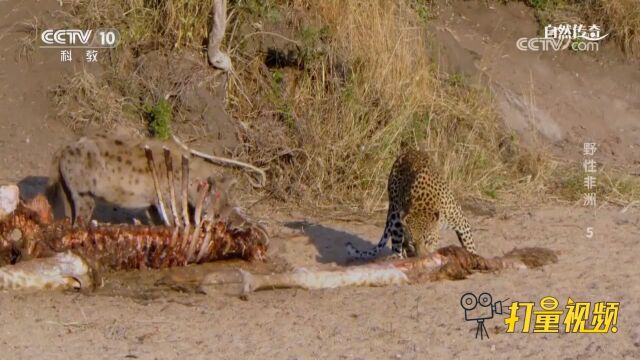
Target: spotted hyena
[[114, 169]]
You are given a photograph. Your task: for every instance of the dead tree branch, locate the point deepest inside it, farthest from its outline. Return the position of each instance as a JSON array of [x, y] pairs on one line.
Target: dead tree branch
[[217, 58], [226, 162]]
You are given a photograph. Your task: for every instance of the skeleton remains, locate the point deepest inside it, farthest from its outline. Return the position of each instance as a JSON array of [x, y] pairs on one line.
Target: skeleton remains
[[451, 262], [67, 256], [50, 254], [116, 169]]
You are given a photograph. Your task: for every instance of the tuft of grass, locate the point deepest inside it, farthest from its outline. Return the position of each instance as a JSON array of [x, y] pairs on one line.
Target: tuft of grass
[[83, 100], [544, 4], [612, 185], [618, 186], [161, 115], [620, 17], [570, 183], [262, 9], [148, 24]]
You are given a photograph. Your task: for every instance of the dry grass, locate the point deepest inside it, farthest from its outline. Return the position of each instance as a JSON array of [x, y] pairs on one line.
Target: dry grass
[[567, 182], [367, 85], [350, 82], [84, 100], [618, 187], [146, 24], [136, 76], [622, 17]]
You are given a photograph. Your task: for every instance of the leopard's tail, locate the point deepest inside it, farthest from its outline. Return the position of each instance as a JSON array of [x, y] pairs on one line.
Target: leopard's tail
[[354, 253]]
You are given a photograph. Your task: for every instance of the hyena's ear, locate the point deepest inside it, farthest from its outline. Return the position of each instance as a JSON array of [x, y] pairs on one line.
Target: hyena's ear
[[225, 184]]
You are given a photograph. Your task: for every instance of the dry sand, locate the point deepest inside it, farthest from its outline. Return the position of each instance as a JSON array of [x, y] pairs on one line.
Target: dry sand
[[132, 317]]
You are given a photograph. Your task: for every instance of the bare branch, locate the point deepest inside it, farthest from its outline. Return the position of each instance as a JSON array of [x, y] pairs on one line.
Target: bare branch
[[226, 162], [217, 58]]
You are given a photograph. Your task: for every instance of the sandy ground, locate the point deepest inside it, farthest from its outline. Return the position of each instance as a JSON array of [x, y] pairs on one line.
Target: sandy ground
[[131, 317]]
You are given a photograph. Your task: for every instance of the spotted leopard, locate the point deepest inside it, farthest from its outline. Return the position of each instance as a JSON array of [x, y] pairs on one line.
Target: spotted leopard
[[420, 204]]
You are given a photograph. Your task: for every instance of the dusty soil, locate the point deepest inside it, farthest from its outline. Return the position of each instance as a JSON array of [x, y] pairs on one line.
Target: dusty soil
[[557, 99], [133, 317]]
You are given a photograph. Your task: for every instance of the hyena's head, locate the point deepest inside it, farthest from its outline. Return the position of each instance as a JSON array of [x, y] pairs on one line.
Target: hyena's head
[[221, 194], [218, 193]]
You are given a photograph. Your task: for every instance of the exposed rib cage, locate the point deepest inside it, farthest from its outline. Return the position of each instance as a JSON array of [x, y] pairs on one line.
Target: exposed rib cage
[[128, 246], [59, 255]]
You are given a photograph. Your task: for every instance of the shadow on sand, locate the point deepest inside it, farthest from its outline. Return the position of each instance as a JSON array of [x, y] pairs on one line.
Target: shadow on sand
[[31, 186], [330, 243]]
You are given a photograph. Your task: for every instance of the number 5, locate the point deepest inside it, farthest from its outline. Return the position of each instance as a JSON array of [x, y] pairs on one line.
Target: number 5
[[589, 232]]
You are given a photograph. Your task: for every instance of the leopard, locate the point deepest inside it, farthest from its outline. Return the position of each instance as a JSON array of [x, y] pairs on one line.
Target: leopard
[[113, 168], [420, 204]]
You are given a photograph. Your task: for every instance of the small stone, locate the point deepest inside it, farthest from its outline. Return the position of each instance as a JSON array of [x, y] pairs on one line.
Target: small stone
[[621, 219], [9, 197], [15, 235]]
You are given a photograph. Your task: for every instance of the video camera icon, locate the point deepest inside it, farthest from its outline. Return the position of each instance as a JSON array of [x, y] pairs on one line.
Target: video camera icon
[[480, 308]]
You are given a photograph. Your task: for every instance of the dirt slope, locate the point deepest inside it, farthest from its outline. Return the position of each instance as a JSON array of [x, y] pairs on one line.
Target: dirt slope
[[566, 98], [28, 132], [132, 318]]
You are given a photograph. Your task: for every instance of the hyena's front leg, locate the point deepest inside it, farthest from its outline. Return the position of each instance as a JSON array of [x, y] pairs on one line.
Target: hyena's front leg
[[62, 201], [80, 198], [83, 206], [76, 165]]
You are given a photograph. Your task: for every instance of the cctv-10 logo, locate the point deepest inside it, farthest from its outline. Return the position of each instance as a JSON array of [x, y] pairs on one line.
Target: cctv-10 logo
[[69, 38]]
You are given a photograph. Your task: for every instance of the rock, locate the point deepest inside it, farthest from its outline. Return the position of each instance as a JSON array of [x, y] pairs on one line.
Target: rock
[[9, 197]]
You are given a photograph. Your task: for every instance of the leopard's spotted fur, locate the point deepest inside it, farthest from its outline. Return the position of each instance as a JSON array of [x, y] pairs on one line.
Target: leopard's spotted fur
[[420, 203]]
